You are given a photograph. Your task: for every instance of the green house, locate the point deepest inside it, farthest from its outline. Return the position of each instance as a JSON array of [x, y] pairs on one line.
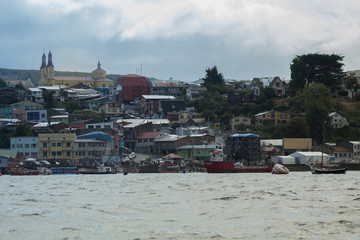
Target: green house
[[196, 152]]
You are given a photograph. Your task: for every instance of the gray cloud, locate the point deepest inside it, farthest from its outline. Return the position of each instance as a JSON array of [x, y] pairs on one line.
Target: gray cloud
[[179, 39]]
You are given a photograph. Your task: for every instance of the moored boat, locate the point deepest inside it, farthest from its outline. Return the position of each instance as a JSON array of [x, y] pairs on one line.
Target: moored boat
[[20, 171], [326, 168], [279, 169], [217, 164], [98, 170], [64, 170]]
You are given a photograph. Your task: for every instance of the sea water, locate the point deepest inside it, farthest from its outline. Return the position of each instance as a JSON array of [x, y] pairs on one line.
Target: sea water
[[181, 206]]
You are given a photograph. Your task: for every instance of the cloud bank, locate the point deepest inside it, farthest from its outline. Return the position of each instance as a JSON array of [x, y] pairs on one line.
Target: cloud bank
[[244, 38]]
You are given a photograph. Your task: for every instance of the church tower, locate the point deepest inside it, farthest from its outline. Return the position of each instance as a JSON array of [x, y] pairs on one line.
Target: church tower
[[43, 70], [98, 73], [50, 67]]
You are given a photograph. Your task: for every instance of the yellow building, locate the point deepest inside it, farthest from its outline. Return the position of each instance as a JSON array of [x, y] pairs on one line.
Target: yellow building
[[59, 147], [97, 80], [271, 118]]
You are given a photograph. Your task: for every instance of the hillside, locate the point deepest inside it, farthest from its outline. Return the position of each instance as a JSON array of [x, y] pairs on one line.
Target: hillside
[[34, 75]]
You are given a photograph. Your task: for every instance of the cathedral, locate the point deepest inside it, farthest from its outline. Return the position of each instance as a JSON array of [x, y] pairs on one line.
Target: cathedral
[[97, 80]]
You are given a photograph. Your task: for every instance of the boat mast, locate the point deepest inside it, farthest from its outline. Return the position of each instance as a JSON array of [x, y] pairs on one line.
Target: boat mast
[[323, 142]]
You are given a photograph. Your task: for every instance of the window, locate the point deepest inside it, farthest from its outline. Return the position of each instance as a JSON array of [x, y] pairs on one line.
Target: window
[[53, 153], [58, 153], [44, 145], [68, 144], [53, 144], [68, 154], [34, 145], [45, 154], [26, 145], [58, 144], [12, 145]]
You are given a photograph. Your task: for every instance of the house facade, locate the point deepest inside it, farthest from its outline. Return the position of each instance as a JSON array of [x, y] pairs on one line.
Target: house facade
[[235, 121], [272, 118], [145, 142], [338, 121], [27, 147], [58, 147], [90, 151], [196, 152]]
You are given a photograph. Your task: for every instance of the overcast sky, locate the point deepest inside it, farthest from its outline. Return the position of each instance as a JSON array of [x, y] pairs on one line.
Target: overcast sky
[[178, 38]]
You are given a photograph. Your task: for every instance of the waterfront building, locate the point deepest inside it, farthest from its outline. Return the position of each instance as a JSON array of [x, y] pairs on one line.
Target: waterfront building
[[196, 152], [27, 147], [90, 151], [291, 145], [59, 147], [8, 159], [145, 142]]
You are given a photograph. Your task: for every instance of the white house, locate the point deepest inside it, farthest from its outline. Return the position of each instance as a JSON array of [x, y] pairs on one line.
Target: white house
[[337, 121]]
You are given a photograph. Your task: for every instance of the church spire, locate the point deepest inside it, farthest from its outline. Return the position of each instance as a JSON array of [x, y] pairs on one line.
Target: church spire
[[43, 64], [50, 63], [99, 65]]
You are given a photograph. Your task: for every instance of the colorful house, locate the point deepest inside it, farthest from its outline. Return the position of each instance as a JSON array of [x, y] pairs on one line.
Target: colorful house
[[27, 147], [196, 152]]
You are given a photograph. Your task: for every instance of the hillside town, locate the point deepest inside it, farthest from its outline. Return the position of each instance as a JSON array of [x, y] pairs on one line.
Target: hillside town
[[133, 121]]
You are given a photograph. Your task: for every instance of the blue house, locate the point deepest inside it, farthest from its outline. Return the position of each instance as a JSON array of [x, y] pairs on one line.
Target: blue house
[[28, 147]]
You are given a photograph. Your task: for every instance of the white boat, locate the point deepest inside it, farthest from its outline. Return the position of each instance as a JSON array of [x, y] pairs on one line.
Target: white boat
[[279, 169]]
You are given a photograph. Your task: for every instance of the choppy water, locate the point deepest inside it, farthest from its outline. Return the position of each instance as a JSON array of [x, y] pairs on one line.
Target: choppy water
[[181, 206]]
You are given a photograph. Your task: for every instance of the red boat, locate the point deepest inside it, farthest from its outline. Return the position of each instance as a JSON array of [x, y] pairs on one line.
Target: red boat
[[218, 165], [22, 172]]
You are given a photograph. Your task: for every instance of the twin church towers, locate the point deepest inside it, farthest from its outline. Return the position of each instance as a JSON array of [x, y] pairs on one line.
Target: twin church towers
[[97, 80]]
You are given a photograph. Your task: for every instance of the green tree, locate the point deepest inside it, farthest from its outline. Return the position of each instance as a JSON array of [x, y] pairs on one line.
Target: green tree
[[2, 83], [23, 130], [72, 106], [352, 85], [297, 128], [5, 138], [315, 100], [49, 101], [316, 68], [213, 77], [85, 115], [208, 115], [19, 86]]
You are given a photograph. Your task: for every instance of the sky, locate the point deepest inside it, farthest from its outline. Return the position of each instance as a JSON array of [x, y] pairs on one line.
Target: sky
[[178, 39]]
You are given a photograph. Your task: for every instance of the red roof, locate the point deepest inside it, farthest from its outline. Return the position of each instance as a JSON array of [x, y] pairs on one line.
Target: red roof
[[148, 135]]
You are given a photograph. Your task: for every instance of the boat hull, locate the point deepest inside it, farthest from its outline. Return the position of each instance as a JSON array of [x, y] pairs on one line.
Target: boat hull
[[228, 167], [279, 169], [328, 171], [23, 174]]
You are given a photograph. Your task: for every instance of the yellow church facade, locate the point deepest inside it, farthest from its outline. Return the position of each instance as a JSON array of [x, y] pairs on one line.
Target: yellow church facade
[[97, 80]]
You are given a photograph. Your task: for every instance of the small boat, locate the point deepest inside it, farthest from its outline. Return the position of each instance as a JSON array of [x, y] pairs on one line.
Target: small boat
[[329, 168], [217, 164], [98, 170], [279, 169], [64, 170], [20, 171], [44, 171]]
